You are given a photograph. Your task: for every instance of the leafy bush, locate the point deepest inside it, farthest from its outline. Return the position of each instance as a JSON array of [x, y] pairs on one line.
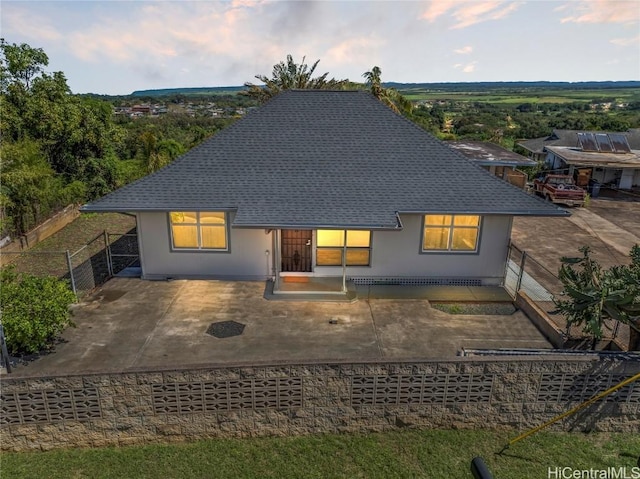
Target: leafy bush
[[34, 310]]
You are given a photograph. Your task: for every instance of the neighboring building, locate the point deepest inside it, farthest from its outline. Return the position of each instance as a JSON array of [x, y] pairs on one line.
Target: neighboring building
[[324, 184], [606, 157], [497, 160], [142, 109]]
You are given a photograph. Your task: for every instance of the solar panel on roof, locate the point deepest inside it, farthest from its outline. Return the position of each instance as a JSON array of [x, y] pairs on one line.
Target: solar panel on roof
[[603, 142], [619, 142], [587, 141]]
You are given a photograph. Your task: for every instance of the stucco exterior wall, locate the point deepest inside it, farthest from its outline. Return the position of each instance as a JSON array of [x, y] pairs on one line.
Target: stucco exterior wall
[[398, 254], [246, 258], [393, 254]]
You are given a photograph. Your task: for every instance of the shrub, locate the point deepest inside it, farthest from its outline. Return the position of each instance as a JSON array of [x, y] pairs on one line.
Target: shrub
[[34, 310]]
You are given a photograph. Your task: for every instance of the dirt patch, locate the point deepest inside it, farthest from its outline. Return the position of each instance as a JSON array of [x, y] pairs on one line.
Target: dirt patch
[[109, 296]]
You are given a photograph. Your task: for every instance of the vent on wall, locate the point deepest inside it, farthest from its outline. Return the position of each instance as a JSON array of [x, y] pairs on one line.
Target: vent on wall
[[417, 281]]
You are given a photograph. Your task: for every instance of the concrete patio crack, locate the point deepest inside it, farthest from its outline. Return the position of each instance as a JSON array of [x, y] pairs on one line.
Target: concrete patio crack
[[152, 334], [375, 327]]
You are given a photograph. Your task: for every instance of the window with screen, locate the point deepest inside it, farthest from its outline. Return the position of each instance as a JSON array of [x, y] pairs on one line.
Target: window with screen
[[199, 230], [330, 247], [451, 233]]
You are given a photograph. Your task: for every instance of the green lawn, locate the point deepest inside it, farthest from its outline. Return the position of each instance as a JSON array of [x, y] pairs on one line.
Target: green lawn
[[409, 453]]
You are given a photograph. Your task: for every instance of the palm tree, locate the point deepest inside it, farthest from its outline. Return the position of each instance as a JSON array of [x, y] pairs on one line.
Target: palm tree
[[389, 96], [375, 84], [291, 75]]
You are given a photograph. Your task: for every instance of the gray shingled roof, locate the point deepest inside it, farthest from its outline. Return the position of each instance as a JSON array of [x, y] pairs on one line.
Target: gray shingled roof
[[323, 159]]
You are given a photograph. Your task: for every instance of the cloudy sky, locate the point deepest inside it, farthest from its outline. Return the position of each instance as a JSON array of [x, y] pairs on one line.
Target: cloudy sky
[[115, 47]]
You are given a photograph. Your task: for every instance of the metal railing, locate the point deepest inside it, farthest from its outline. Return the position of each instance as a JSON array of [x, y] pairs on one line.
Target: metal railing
[[526, 274]]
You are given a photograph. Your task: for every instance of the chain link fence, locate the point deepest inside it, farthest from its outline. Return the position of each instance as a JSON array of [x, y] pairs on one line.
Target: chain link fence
[[101, 258]]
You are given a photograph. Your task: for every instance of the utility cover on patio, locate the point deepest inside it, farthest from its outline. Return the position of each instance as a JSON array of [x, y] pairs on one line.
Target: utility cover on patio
[[225, 329]]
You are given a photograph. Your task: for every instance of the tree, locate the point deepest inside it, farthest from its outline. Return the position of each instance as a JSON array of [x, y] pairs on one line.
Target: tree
[[291, 75], [30, 189], [389, 96], [34, 310], [55, 145], [20, 64], [158, 153], [596, 295]]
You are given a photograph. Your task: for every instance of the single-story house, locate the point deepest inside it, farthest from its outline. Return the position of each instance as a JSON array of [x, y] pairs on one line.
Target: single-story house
[[611, 158], [497, 160], [324, 184]]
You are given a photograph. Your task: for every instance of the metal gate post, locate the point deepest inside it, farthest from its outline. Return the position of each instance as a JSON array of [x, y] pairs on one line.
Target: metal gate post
[[3, 344], [521, 272], [344, 263], [107, 249], [70, 266]]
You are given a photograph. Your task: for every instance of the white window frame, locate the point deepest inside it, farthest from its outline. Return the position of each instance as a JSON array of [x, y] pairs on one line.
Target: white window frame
[[341, 249], [451, 228], [198, 226]]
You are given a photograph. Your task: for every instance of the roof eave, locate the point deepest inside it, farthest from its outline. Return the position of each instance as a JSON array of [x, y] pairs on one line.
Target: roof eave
[[546, 212], [316, 226], [89, 208], [513, 163]]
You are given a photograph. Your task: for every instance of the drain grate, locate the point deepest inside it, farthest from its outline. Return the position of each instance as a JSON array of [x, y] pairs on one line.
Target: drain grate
[[225, 329]]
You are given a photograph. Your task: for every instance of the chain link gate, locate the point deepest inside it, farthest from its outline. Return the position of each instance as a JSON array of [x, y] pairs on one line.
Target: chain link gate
[[90, 266], [122, 252]]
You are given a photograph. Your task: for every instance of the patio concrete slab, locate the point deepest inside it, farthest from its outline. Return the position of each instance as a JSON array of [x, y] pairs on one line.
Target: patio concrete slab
[[441, 294], [131, 324], [405, 331]]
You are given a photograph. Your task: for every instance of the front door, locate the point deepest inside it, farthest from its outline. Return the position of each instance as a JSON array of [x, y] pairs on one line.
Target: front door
[[296, 251]]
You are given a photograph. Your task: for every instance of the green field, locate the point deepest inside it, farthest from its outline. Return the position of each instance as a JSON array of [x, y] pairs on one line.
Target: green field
[[491, 92], [525, 95], [398, 454]]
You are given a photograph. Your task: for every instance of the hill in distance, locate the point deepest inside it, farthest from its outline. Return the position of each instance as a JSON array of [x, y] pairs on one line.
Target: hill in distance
[[460, 86]]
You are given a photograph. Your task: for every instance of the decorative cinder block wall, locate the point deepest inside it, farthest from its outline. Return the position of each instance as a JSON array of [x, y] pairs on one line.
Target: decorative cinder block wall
[[136, 407]]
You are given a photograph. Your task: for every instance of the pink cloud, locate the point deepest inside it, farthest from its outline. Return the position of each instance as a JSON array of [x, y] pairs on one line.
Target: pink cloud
[[468, 68], [437, 8], [30, 25], [478, 12], [625, 42], [602, 11], [170, 30], [467, 13], [464, 50], [354, 50]]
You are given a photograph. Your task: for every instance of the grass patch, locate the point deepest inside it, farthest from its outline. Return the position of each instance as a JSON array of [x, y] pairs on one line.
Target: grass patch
[[476, 308], [409, 453]]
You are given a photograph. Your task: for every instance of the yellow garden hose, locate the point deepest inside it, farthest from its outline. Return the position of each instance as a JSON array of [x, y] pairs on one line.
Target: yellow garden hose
[[571, 411]]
